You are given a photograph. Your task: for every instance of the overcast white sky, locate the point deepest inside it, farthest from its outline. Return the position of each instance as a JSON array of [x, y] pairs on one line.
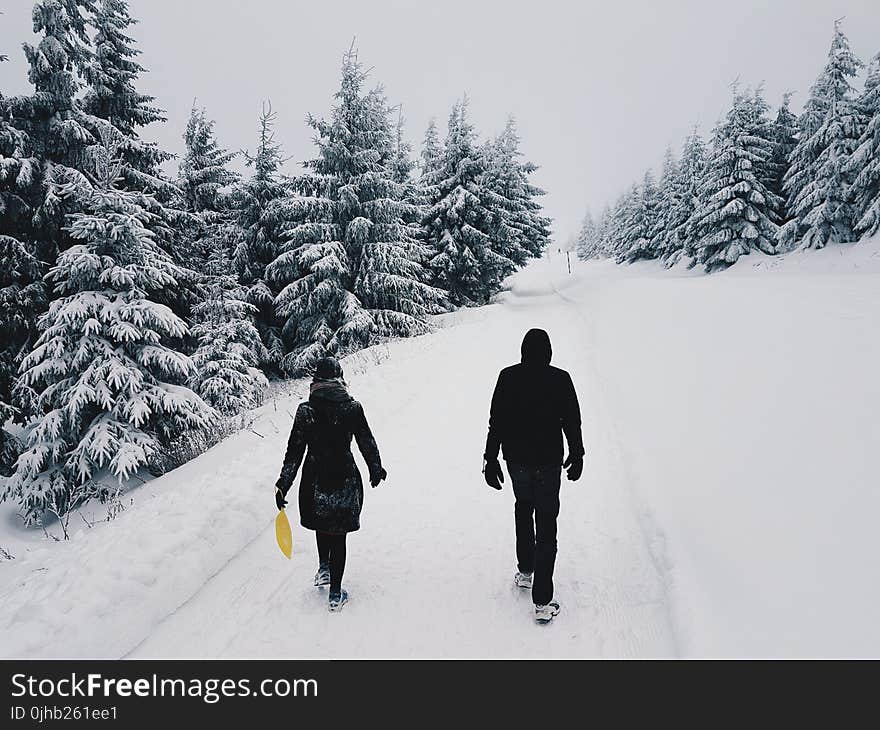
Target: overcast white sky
[[599, 88]]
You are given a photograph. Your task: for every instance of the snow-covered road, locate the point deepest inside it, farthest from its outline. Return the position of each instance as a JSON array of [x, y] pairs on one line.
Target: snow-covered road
[[727, 508], [430, 572]]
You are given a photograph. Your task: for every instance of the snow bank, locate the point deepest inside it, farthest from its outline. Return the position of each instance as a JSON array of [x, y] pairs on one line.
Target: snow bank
[[746, 405]]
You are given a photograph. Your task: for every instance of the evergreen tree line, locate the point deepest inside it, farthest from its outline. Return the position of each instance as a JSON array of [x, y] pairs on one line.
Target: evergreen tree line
[[765, 182], [139, 311]]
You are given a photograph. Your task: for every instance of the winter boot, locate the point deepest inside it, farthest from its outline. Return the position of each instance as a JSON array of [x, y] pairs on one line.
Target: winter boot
[[545, 614], [322, 577], [337, 601], [522, 580]]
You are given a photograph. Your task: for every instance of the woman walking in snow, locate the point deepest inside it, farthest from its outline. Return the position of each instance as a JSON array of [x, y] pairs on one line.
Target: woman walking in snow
[[330, 491]]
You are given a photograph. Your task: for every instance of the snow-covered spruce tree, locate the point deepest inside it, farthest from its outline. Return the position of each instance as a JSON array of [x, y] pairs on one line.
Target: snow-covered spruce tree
[[401, 164], [226, 362], [258, 238], [784, 135], [111, 95], [203, 170], [349, 270], [22, 294], [44, 142], [587, 245], [391, 280], [603, 232], [680, 240], [431, 155], [109, 386], [763, 127], [818, 180], [638, 225], [204, 179], [520, 231], [864, 163], [53, 137], [666, 200], [458, 222], [733, 215], [429, 167], [621, 212]]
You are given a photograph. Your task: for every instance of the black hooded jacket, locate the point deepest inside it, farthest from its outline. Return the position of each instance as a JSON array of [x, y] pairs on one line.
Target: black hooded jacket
[[533, 405]]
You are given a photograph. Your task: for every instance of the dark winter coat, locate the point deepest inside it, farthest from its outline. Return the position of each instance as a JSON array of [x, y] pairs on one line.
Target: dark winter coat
[[331, 492], [533, 405]]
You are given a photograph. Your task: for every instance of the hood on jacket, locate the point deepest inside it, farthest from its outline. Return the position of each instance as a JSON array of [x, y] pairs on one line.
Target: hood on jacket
[[536, 348]]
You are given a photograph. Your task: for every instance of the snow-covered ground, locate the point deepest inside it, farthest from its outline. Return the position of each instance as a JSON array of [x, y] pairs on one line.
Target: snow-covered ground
[[727, 508]]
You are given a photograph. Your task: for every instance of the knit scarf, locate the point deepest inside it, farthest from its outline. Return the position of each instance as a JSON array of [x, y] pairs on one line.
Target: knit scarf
[[332, 389]]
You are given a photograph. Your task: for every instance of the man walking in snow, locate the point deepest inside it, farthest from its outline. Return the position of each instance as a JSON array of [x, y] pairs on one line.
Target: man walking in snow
[[534, 404]]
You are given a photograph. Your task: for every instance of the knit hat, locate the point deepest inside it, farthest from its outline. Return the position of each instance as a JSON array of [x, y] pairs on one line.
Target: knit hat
[[328, 368]]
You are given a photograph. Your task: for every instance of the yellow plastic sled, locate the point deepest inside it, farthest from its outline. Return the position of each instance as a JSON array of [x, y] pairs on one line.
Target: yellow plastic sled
[[283, 534]]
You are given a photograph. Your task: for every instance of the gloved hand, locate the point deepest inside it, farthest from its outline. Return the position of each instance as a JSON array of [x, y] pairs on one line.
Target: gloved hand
[[377, 477], [493, 474], [574, 466], [280, 502]]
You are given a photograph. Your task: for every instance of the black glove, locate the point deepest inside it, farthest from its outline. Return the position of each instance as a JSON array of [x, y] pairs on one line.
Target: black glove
[[377, 477], [574, 466], [493, 474], [280, 502]]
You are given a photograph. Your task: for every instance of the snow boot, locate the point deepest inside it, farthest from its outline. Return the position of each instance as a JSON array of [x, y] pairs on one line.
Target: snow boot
[[337, 601], [545, 614], [322, 577], [523, 580]]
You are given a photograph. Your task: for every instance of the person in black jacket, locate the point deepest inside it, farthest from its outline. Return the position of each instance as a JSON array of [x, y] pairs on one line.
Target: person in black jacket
[[533, 405], [330, 491]]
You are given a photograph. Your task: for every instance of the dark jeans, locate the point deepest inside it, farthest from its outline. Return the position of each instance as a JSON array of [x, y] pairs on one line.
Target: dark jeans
[[331, 553], [537, 506]]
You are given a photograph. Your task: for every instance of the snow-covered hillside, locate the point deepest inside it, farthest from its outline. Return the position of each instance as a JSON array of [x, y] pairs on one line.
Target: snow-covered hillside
[[726, 508]]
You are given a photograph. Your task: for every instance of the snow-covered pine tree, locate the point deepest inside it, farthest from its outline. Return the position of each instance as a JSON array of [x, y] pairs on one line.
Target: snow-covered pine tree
[[111, 95], [818, 181], [587, 245], [864, 163], [44, 142], [733, 216], [429, 169], [603, 233], [204, 179], [257, 233], [391, 277], [766, 171], [108, 383], [638, 225], [784, 135], [666, 201], [112, 98], [520, 231], [459, 223], [680, 240], [621, 213], [22, 294], [401, 163], [348, 269], [203, 170], [431, 155], [53, 137], [226, 362]]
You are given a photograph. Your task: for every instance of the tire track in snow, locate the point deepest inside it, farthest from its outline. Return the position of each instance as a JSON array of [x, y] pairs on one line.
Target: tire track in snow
[[649, 531]]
